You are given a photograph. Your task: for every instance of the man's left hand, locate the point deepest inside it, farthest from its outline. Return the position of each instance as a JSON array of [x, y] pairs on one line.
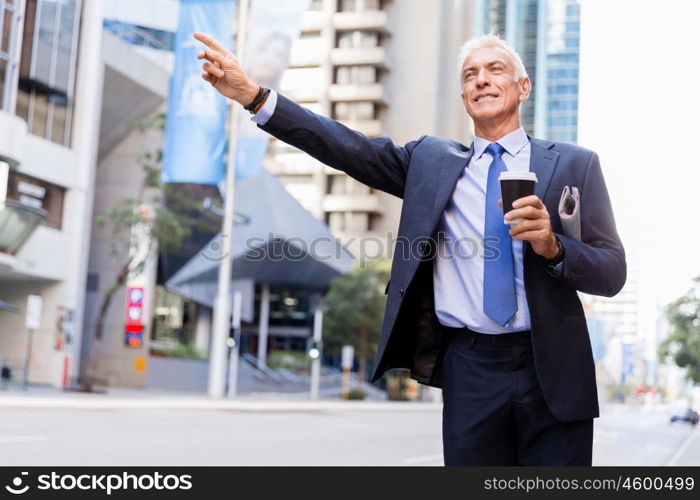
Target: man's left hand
[[536, 226]]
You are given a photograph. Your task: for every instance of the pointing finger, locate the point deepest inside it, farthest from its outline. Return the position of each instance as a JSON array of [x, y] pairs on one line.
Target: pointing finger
[[209, 42]]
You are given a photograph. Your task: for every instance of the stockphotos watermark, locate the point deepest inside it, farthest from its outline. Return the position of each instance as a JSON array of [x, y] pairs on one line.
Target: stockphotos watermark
[[272, 247], [100, 482]]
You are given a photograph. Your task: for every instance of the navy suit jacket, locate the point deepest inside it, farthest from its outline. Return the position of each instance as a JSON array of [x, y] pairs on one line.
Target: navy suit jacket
[[424, 173]]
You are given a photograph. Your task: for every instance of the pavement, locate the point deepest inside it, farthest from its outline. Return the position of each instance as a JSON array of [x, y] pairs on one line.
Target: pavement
[[45, 426], [135, 399]]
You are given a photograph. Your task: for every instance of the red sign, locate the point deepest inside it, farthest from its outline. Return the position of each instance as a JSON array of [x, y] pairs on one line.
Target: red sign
[[133, 329]]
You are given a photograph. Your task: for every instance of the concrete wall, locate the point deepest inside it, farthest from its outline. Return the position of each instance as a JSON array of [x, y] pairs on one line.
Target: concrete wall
[[119, 175]]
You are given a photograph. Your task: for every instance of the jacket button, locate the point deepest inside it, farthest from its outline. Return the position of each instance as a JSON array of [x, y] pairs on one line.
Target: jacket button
[[401, 293]]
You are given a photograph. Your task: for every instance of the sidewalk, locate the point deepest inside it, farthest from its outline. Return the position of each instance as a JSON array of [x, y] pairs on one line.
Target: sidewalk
[[143, 399], [689, 451]]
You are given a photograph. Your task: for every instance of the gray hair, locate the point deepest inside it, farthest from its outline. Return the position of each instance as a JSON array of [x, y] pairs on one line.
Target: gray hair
[[490, 40]]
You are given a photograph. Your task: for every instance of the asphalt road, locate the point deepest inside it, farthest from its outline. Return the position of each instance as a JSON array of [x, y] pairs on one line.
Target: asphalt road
[[624, 436]]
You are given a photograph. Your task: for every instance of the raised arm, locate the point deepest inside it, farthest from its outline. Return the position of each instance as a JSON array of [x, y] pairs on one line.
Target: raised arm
[[376, 162]]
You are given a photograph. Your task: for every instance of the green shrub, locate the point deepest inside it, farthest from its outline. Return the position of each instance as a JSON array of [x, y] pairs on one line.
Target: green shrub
[[294, 361]]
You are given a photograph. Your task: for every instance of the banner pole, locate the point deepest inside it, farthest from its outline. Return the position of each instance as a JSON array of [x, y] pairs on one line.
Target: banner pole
[[222, 303]]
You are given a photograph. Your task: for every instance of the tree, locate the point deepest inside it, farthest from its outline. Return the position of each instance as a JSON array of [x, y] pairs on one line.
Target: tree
[[683, 343], [355, 303], [162, 226]]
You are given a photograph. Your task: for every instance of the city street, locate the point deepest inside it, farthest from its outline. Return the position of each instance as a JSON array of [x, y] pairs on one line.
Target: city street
[[624, 436]]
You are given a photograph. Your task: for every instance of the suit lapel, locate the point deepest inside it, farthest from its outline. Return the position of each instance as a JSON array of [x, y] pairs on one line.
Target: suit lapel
[[453, 164], [543, 161]]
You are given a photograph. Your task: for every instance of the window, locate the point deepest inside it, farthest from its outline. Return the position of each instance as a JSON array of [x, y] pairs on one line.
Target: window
[[354, 111], [47, 68], [359, 39], [351, 222], [359, 5], [8, 32], [345, 185], [335, 221], [141, 35], [356, 74], [569, 120]]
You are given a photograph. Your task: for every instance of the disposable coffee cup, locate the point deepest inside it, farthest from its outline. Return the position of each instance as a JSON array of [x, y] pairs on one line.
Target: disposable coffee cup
[[515, 185]]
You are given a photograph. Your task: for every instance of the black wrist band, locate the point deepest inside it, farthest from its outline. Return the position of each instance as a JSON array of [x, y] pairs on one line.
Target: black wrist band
[[262, 93], [557, 258]]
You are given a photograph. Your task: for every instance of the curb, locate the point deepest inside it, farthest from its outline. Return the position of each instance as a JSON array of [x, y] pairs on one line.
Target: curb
[[72, 403]]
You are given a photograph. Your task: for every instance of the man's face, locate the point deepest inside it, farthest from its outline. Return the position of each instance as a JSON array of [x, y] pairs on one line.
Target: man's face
[[490, 92]]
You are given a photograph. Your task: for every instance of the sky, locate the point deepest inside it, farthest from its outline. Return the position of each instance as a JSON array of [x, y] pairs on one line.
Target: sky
[[639, 109]]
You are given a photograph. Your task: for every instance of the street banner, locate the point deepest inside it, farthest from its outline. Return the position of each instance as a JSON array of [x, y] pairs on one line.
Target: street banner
[[195, 133]]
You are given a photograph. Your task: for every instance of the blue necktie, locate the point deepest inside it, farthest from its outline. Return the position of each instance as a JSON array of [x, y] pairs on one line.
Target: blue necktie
[[499, 281]]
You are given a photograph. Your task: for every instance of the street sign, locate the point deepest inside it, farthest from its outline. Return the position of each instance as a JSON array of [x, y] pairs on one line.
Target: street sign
[[133, 330], [33, 318]]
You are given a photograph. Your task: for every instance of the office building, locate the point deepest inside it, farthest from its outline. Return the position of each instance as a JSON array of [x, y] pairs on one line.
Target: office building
[[382, 68], [546, 34], [49, 115]]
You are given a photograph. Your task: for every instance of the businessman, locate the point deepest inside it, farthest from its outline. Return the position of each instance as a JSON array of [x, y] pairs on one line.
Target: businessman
[[503, 332]]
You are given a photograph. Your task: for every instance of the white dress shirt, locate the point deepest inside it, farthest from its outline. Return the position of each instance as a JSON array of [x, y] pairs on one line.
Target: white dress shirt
[[458, 272]]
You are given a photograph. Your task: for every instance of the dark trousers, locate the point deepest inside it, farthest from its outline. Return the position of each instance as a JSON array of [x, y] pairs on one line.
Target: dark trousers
[[494, 412]]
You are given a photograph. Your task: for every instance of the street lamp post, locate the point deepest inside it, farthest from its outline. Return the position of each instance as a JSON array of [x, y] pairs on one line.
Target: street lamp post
[[316, 356], [222, 302]]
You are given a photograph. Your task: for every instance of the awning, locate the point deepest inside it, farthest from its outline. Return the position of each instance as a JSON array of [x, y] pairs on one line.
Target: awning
[[279, 244]]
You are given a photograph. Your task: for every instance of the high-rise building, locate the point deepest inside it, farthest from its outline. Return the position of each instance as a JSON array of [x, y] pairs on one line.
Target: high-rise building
[[382, 68], [546, 34], [563, 30]]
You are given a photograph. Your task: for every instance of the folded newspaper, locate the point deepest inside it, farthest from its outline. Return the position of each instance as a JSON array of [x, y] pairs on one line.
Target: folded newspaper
[[570, 212]]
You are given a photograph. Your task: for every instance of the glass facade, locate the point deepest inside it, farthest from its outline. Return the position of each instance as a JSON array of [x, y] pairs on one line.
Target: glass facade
[[140, 35], [563, 35], [47, 68], [520, 22], [517, 22]]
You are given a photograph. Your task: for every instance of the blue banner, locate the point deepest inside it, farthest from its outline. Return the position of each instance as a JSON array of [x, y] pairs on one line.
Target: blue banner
[[195, 133]]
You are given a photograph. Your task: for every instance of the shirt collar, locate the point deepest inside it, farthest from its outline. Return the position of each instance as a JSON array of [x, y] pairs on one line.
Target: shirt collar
[[512, 142]]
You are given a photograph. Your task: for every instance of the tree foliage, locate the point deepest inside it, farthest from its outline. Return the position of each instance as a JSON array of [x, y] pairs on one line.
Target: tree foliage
[[355, 307], [683, 343]]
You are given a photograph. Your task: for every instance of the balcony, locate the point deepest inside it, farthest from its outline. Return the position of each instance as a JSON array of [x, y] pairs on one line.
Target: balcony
[[304, 56], [313, 20], [373, 92], [302, 94], [352, 203], [362, 55], [370, 128], [369, 20]]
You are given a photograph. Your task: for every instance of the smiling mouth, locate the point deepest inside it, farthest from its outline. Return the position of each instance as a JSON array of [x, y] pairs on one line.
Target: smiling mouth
[[487, 97]]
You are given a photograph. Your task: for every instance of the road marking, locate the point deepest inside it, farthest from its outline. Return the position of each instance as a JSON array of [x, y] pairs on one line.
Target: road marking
[[684, 446], [22, 439], [423, 458]]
